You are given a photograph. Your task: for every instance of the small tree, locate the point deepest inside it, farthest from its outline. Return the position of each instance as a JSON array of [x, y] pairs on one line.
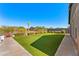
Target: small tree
[[28, 23]]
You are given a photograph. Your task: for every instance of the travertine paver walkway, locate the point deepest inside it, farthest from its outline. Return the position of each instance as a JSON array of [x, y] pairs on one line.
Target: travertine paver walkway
[[9, 47], [67, 47]]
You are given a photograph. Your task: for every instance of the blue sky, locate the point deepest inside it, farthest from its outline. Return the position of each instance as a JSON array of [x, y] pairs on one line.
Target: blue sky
[[39, 14]]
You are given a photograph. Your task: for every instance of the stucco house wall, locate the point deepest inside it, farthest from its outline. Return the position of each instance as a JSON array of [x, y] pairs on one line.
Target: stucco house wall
[[74, 23]]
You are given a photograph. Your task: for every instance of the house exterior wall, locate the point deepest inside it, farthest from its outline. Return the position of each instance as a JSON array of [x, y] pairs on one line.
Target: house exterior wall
[[74, 23]]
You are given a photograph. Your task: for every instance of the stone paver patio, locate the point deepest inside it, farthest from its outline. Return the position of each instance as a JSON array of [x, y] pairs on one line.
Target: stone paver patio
[[9, 47]]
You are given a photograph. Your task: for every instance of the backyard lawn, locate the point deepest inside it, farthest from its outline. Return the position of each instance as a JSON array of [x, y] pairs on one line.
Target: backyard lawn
[[40, 45]]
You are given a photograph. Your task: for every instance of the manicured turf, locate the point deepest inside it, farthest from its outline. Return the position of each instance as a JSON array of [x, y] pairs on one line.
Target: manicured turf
[[40, 45], [48, 43], [26, 43]]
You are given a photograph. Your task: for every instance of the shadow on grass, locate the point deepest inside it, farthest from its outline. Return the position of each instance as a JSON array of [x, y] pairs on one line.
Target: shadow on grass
[[48, 43]]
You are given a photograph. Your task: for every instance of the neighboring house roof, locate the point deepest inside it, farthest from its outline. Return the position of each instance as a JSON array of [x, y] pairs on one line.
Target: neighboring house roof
[[57, 29]]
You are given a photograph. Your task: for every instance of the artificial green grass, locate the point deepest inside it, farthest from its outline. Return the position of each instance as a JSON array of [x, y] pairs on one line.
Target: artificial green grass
[[40, 45], [26, 41], [48, 44]]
